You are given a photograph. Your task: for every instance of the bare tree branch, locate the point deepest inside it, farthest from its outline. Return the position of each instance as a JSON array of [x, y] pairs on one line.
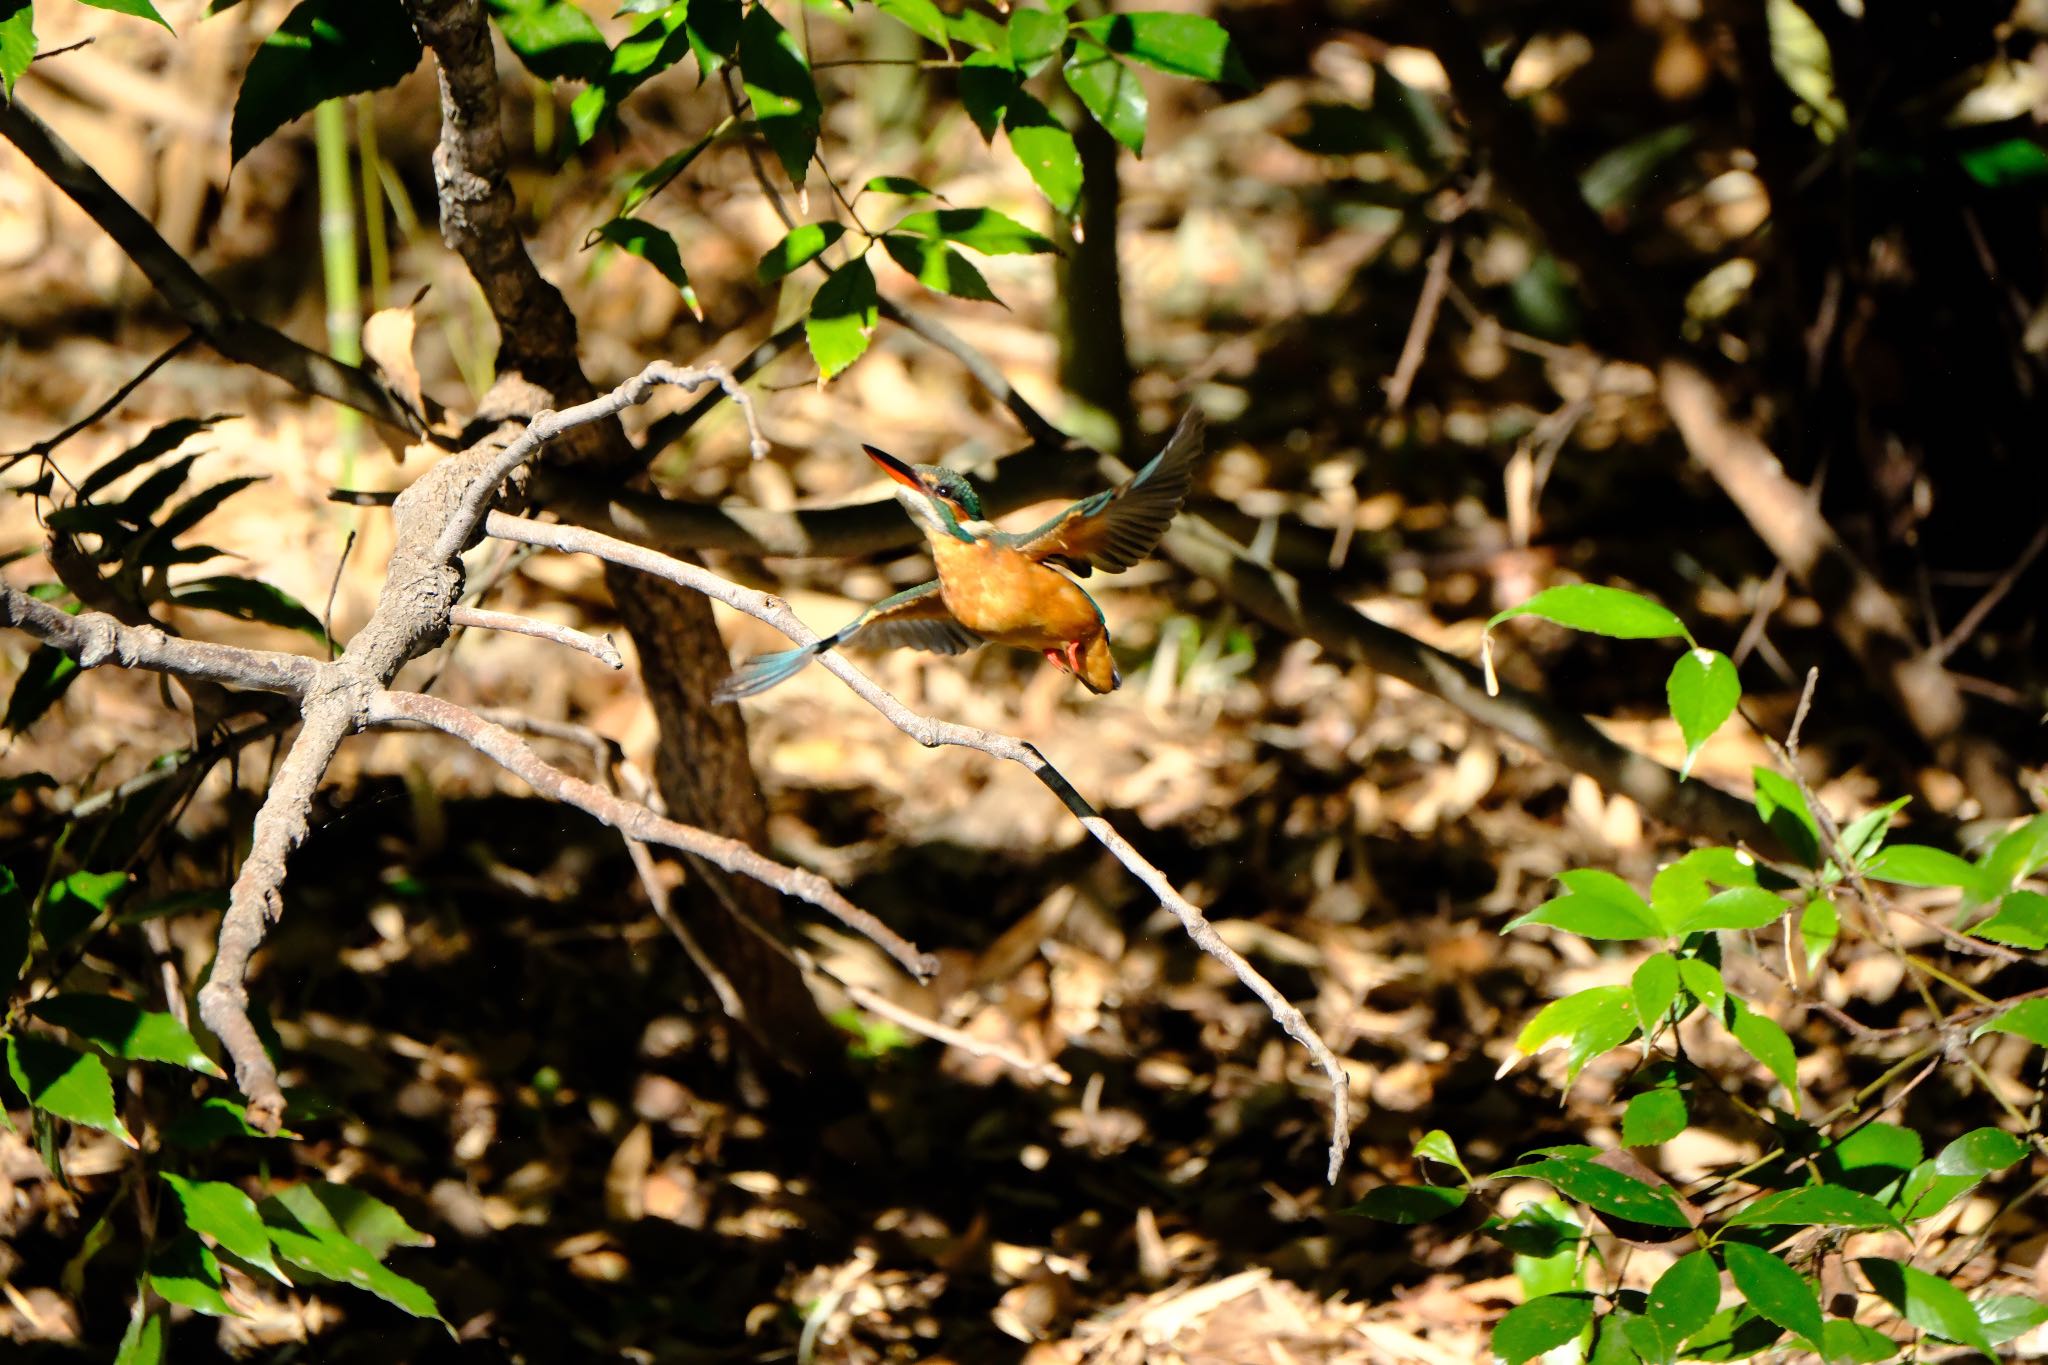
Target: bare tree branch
[[94, 638], [931, 732], [599, 647], [636, 821], [204, 309]]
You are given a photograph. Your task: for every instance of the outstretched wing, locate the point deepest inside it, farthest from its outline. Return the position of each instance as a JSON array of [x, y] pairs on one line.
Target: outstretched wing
[[914, 619], [1115, 529]]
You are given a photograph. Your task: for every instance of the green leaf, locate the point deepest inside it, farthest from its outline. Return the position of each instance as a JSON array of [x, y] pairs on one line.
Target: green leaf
[[1111, 92], [1621, 176], [1819, 926], [2028, 1019], [1653, 1117], [842, 317], [2021, 921], [1408, 1205], [140, 9], [1926, 1192], [1655, 985], [1739, 907], [1774, 1289], [1591, 1022], [778, 85], [1602, 611], [44, 680], [983, 230], [656, 178], [366, 1220], [1035, 37], [186, 1272], [1816, 1206], [14, 931], [2021, 852], [1783, 807], [1597, 905], [1178, 44], [306, 1233], [1702, 981], [1703, 691], [641, 55], [1679, 1304], [714, 30], [1980, 1152], [72, 1085], [249, 599], [1539, 1325], [1538, 1231], [75, 901], [2006, 1316], [1047, 150], [937, 266], [1919, 865], [17, 42], [921, 17], [227, 1215], [553, 39], [987, 84], [1762, 1039], [1864, 835], [1608, 1191], [978, 31], [324, 49], [1927, 1301], [803, 244], [2013, 161], [897, 184], [654, 246], [1436, 1145], [122, 1028], [213, 1122], [1871, 1158], [155, 548], [143, 1342], [1732, 1334], [1855, 1344]]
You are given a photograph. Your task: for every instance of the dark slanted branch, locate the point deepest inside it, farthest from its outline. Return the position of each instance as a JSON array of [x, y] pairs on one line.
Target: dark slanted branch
[[932, 732], [203, 308]]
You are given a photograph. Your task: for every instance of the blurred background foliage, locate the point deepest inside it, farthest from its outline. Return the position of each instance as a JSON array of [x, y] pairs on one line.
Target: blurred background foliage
[[1433, 392]]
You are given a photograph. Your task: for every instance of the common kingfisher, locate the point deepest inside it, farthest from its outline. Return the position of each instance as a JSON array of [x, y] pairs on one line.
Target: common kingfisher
[[1000, 586]]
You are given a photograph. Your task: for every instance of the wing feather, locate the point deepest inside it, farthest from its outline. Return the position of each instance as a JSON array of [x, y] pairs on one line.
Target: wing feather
[[915, 619], [1115, 529]]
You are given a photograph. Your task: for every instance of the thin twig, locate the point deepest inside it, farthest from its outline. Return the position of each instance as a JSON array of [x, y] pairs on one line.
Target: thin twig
[[599, 647], [333, 589], [932, 733], [1413, 347], [874, 1002], [1993, 595], [516, 756], [113, 400]]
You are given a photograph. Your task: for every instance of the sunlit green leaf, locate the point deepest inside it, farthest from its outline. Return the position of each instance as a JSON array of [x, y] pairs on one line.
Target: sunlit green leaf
[[1851, 1343], [1927, 1301], [1919, 865], [1597, 905], [1702, 981], [72, 1085], [936, 265], [1980, 1152], [1604, 1189], [1590, 1022], [229, 1216], [17, 42], [2028, 1020], [983, 230], [987, 84], [1046, 149], [1830, 1206], [122, 1028], [1783, 807], [1408, 1205], [804, 243], [1703, 691], [1739, 907], [306, 1233], [2006, 1316], [1680, 1303], [1762, 1039], [921, 17], [553, 39], [897, 184], [1600, 610], [1111, 92], [1774, 1289], [1035, 39], [186, 1272], [2021, 921], [1529, 1330], [1436, 1145], [842, 317], [1653, 1117], [143, 1342], [1178, 44]]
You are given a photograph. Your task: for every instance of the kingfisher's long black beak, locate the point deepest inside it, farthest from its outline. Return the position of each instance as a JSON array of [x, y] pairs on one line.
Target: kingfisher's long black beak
[[897, 470]]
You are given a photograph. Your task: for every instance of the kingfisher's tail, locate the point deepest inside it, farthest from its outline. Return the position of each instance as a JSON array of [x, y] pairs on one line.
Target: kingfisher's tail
[[763, 671]]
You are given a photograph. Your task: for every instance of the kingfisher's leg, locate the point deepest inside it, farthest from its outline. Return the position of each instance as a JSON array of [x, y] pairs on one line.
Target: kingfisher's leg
[[1058, 660], [1073, 652]]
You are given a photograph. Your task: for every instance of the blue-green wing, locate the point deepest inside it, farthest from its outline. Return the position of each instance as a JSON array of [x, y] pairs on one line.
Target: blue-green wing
[[913, 619], [1115, 529]]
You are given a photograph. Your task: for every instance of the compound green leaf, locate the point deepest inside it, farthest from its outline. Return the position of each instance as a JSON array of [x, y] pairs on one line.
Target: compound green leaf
[[324, 49]]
